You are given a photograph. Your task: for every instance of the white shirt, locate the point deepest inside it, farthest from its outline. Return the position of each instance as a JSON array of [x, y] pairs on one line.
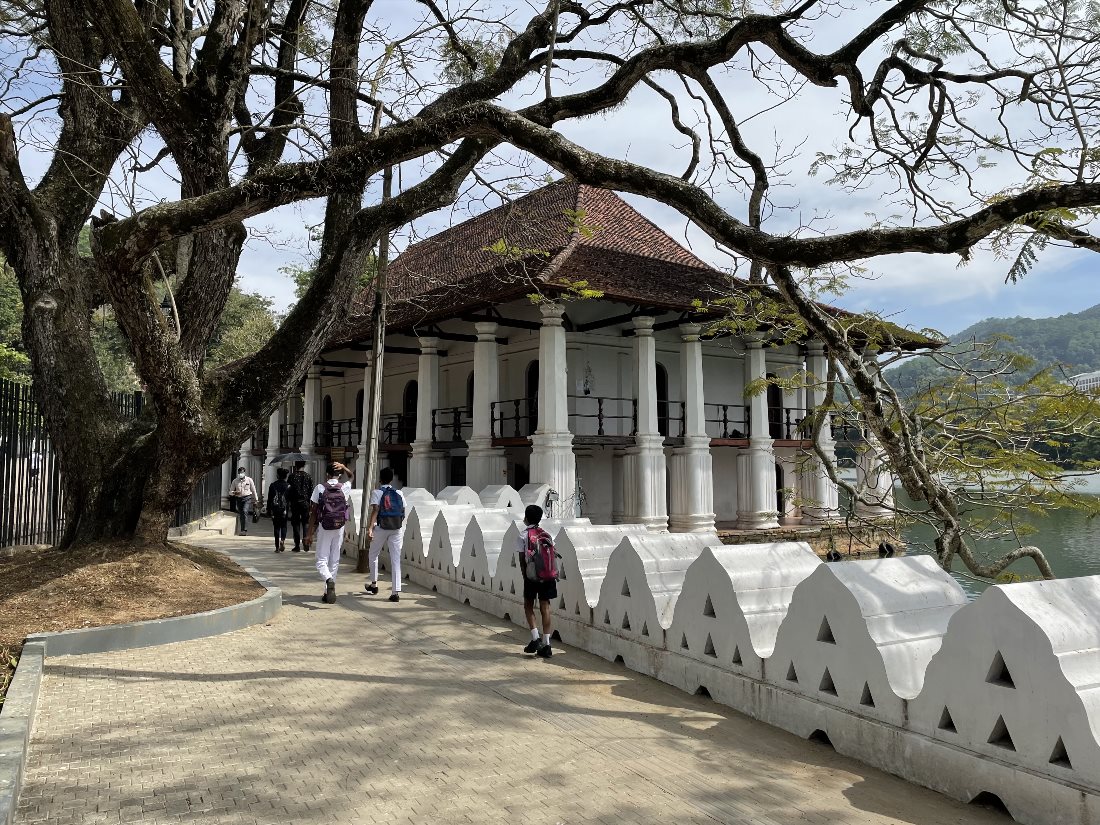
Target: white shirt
[[376, 497], [319, 490]]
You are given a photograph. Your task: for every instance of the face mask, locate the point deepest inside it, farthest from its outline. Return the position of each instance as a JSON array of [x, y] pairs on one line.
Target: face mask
[[240, 475]]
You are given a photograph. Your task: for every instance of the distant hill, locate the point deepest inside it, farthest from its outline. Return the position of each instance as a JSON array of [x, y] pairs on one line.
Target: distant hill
[[1072, 339]]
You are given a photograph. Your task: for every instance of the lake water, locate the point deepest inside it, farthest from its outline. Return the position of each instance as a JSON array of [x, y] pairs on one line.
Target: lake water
[[1070, 540]]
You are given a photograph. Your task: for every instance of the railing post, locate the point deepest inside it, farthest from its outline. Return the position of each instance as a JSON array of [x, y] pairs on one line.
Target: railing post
[[725, 421], [433, 425], [634, 416], [599, 415], [515, 419], [456, 424], [748, 421], [493, 419]]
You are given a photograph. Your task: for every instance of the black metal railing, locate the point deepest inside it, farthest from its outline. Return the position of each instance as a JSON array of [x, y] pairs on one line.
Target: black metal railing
[[670, 418], [514, 418], [32, 499], [259, 439], [290, 435], [451, 424], [397, 428], [343, 432], [726, 420], [786, 423], [617, 414]]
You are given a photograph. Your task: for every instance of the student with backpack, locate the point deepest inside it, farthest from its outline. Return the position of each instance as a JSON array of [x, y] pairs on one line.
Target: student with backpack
[[538, 559], [278, 505], [386, 528], [330, 512], [301, 488]]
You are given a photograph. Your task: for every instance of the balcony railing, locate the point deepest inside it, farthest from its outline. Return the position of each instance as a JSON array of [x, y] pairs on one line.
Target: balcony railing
[[451, 424], [514, 418], [602, 415], [343, 432], [785, 423], [670, 418], [259, 439], [726, 420], [290, 435], [397, 428]]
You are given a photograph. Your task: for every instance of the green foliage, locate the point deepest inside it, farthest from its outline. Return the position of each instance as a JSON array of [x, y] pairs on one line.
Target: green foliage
[[14, 364], [303, 276], [246, 324], [112, 350]]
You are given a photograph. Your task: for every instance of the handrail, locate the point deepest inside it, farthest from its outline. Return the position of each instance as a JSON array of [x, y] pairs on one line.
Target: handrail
[[732, 419], [456, 419], [397, 428], [290, 435], [342, 432], [602, 416], [523, 422]]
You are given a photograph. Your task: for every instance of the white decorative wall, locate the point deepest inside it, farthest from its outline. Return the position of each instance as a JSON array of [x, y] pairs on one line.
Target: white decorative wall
[[1000, 696]]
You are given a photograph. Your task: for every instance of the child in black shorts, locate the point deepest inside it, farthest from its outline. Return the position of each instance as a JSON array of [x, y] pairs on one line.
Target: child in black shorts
[[545, 590]]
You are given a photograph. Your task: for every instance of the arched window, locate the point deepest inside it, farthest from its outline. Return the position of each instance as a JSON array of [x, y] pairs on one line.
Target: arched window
[[359, 406], [532, 384], [407, 425], [662, 400], [470, 394], [325, 436], [326, 408], [775, 409]]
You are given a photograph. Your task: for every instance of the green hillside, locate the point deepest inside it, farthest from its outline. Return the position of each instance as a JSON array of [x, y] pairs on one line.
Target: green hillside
[[1072, 339]]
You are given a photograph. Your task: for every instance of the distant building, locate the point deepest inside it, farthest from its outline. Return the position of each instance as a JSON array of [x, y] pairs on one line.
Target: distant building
[[1086, 381]]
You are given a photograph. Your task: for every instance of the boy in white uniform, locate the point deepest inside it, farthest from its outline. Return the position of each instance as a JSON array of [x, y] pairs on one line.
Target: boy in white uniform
[[330, 540], [386, 529]]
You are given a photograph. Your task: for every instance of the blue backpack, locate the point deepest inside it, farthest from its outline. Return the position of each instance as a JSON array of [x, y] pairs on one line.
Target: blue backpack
[[391, 509]]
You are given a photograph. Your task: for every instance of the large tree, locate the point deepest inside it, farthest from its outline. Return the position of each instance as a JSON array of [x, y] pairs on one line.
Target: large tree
[[251, 106]]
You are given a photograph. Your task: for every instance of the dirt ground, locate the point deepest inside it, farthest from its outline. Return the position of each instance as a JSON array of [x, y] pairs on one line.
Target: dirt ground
[[47, 590]]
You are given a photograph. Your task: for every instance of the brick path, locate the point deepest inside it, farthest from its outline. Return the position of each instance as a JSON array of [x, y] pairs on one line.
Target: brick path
[[421, 712]]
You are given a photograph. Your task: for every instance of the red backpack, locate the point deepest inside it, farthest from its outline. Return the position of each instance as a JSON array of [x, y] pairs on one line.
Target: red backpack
[[540, 557]]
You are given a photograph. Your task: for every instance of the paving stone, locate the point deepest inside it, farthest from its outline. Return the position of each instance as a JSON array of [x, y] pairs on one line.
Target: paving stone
[[417, 712]]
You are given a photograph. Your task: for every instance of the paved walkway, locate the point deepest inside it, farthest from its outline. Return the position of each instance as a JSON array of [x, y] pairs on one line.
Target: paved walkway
[[419, 712]]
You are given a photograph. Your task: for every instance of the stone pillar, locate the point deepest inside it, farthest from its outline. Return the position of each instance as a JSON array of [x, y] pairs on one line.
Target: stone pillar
[[485, 463], [691, 470], [756, 498], [820, 503], [311, 410], [552, 459], [650, 477], [874, 481], [364, 425], [228, 471], [426, 466], [273, 423]]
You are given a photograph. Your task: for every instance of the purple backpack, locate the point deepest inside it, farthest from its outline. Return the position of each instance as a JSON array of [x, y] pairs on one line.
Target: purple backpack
[[334, 508]]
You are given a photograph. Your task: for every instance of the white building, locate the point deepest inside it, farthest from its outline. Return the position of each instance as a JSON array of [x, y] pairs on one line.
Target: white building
[[618, 402]]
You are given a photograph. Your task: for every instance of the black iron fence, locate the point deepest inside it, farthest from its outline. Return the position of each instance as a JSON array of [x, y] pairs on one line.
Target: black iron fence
[[32, 506]]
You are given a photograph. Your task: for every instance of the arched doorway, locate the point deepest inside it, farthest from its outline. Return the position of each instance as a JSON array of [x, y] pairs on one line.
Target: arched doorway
[[407, 424], [325, 438], [470, 394], [662, 400], [357, 425], [532, 387], [775, 409]]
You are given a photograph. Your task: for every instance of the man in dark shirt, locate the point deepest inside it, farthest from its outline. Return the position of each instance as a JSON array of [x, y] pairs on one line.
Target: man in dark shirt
[[301, 488]]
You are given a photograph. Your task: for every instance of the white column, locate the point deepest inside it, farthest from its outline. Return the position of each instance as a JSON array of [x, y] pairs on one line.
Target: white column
[[552, 460], [228, 471], [650, 477], [820, 503], [874, 481], [757, 504], [273, 449], [311, 410], [426, 466], [485, 464], [361, 458], [691, 470]]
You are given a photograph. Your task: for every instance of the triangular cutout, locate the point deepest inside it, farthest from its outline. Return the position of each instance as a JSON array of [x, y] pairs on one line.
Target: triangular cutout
[[946, 722], [708, 608], [606, 617], [482, 581], [645, 629], [825, 632], [473, 552], [737, 655], [866, 699], [708, 648], [561, 574], [513, 561], [626, 621], [512, 588], [500, 587], [1059, 757], [827, 685], [684, 642], [1000, 736], [577, 609], [561, 603], [792, 674], [626, 589], [998, 673]]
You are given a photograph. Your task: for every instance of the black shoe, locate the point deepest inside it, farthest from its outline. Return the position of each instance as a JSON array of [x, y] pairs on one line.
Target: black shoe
[[295, 549], [545, 652], [371, 588], [331, 591], [394, 597], [533, 646]]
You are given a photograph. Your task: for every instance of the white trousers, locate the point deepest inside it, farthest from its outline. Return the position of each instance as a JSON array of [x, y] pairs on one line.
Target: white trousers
[[329, 543], [394, 540]]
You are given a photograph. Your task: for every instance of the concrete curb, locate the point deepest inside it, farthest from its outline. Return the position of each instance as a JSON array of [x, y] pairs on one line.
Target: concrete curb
[[17, 718]]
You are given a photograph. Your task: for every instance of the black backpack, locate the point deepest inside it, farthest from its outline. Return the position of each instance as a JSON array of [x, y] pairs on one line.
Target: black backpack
[[277, 506]]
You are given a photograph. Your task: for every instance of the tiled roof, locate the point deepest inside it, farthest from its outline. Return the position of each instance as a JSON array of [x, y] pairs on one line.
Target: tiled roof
[[620, 252]]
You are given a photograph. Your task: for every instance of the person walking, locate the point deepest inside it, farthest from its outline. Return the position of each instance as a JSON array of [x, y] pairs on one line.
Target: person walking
[[538, 561], [386, 528], [278, 505], [301, 488], [244, 488], [331, 510]]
